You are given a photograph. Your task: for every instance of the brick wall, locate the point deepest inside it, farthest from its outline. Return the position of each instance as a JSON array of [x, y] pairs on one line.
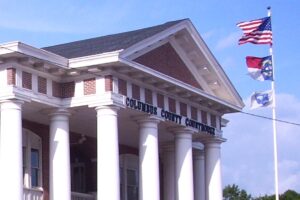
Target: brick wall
[[172, 105], [108, 83], [11, 76], [164, 59], [135, 92], [204, 117], [27, 80], [122, 87], [89, 86], [194, 113], [42, 85], [213, 121], [148, 96], [63, 90], [67, 89], [183, 109], [160, 101]]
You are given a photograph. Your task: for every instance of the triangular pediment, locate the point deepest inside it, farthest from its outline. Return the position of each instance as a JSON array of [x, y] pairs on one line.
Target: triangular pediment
[[165, 59], [180, 53]]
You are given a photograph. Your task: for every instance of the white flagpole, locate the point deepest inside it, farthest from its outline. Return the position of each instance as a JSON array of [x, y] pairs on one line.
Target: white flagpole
[[274, 120]]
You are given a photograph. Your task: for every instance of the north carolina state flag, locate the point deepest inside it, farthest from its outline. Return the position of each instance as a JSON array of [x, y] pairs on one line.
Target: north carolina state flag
[[260, 68]]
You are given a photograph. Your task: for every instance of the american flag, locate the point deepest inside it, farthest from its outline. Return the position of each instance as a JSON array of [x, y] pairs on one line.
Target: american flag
[[258, 31]]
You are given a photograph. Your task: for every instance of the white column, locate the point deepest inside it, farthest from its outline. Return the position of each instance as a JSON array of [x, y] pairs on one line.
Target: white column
[[148, 159], [199, 174], [213, 169], [60, 177], [108, 178], [184, 165], [168, 155], [11, 181]]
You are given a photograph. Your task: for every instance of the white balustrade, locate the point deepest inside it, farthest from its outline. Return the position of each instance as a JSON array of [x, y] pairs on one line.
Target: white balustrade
[[32, 194], [82, 196]]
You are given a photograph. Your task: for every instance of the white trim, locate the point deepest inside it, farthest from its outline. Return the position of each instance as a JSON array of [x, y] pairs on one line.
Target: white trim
[[153, 39], [126, 55], [214, 64], [188, 111], [100, 85], [108, 57], [19, 47], [179, 83], [142, 94], [148, 49], [129, 89], [34, 83], [190, 66], [32, 141], [79, 88], [177, 107]]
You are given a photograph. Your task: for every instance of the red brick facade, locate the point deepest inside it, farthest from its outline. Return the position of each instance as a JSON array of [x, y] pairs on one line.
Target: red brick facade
[[172, 105], [183, 109], [135, 92], [27, 80], [42, 85], [194, 114], [89, 86], [213, 121], [63, 90], [11, 76], [160, 101], [148, 96], [204, 117], [56, 89], [122, 87], [164, 59], [108, 83]]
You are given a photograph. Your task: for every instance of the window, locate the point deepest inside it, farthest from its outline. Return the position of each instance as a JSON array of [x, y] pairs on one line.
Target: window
[[129, 177], [32, 160], [78, 177]]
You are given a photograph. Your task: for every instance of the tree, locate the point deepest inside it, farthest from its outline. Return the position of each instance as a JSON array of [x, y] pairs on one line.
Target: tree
[[232, 192], [288, 195]]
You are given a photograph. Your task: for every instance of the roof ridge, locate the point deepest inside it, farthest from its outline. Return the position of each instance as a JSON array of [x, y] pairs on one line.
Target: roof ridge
[[108, 43], [113, 34]]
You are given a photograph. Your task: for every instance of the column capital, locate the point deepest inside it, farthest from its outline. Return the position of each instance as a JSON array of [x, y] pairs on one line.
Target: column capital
[[11, 104], [167, 147], [180, 130], [113, 107], [58, 111], [147, 118], [215, 141]]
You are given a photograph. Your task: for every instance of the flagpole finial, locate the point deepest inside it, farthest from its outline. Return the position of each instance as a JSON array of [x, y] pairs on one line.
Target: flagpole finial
[[269, 7]]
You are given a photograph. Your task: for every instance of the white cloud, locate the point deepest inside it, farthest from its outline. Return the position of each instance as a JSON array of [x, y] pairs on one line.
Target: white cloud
[[228, 41], [248, 153], [209, 34]]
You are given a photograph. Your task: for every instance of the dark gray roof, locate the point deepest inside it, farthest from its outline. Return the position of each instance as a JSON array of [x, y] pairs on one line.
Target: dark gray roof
[[107, 43]]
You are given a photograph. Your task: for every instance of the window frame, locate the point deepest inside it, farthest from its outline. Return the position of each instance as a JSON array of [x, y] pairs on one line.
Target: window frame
[[31, 141], [128, 162]]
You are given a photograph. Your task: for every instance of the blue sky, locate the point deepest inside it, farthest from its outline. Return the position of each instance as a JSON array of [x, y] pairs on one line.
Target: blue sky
[[247, 155]]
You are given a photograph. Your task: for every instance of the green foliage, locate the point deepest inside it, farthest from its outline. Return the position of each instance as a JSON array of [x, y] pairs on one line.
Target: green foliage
[[232, 192], [290, 195]]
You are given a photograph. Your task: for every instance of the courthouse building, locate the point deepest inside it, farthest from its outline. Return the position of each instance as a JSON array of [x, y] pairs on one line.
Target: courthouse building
[[128, 116]]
